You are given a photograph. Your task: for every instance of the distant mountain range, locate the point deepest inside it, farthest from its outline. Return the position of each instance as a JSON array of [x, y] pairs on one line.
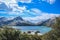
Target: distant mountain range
[[18, 21]]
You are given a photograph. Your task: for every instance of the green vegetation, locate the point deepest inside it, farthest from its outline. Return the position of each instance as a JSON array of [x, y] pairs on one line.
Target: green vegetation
[[55, 33], [13, 34], [9, 34]]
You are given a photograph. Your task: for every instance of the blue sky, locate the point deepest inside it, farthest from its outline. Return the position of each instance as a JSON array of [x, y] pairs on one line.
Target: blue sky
[[32, 9], [43, 6]]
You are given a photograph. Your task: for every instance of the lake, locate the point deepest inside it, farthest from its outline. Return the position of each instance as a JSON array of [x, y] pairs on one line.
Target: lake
[[42, 29]]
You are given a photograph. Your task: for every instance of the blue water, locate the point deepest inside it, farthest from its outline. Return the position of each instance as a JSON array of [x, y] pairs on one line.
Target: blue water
[[42, 29]]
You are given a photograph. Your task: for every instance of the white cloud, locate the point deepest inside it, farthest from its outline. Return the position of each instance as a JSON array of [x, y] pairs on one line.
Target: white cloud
[[7, 2], [0, 2], [35, 10], [40, 16], [50, 1], [25, 1], [14, 6], [43, 17]]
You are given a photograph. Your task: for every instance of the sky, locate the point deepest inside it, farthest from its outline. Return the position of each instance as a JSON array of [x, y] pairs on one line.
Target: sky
[[45, 6], [30, 9]]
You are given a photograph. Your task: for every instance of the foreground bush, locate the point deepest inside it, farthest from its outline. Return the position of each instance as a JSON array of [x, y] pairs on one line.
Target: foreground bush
[[9, 34], [13, 34]]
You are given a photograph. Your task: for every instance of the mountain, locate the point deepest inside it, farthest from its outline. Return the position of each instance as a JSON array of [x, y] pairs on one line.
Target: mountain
[[18, 18], [19, 21], [48, 22], [2, 20]]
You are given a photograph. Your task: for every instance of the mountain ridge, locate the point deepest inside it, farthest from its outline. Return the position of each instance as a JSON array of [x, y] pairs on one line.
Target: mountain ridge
[[18, 21]]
